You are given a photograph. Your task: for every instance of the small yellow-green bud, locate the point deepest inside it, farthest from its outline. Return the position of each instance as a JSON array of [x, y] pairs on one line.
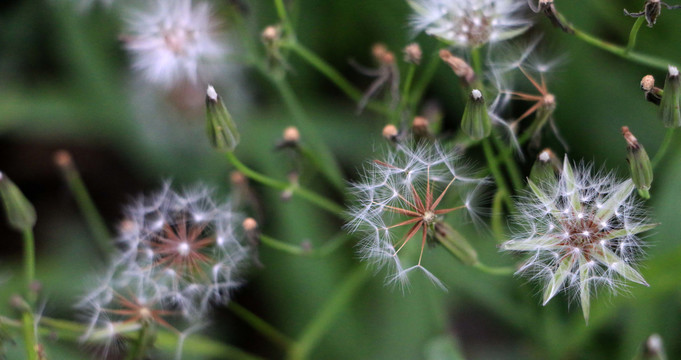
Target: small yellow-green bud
[[639, 164], [670, 111], [20, 213], [455, 243], [220, 126], [476, 122], [545, 168]]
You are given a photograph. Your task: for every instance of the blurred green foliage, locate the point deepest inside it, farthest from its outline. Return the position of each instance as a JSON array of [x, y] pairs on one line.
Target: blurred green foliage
[[66, 84]]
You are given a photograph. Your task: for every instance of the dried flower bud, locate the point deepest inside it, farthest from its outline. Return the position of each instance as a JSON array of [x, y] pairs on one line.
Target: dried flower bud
[[639, 164], [63, 159], [271, 34], [420, 127], [647, 83], [237, 178], [378, 51], [413, 54], [545, 168], [455, 243], [390, 132], [291, 134], [461, 68], [476, 122], [669, 105], [652, 93], [20, 213], [220, 126], [249, 224]]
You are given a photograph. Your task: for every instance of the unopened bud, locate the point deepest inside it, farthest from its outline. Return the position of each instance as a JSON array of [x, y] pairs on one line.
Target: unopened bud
[[653, 93], [378, 51], [237, 178], [546, 168], [420, 126], [249, 224], [476, 122], [455, 243], [654, 348], [63, 159], [20, 213], [461, 68], [639, 164], [291, 135], [271, 34], [670, 111], [413, 54], [390, 132], [220, 126]]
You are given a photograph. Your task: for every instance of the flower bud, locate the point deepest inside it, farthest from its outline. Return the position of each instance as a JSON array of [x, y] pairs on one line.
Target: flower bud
[[455, 243], [669, 105], [390, 132], [639, 164], [654, 348], [420, 127], [271, 34], [461, 68], [546, 168], [653, 93], [413, 54], [476, 122], [20, 213], [220, 126]]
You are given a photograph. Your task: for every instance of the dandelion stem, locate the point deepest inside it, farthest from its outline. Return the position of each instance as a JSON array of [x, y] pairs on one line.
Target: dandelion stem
[[494, 270], [142, 343], [85, 204], [283, 16], [498, 216], [404, 99], [663, 147], [298, 250], [30, 340], [332, 74], [267, 330], [511, 166], [325, 317], [496, 172], [633, 33], [328, 164], [308, 195], [420, 86], [29, 335]]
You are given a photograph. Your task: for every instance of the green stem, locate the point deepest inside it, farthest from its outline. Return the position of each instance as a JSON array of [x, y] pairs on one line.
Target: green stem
[[334, 76], [87, 207], [308, 195], [477, 63], [329, 165], [267, 330], [503, 271], [30, 340], [496, 173], [29, 262], [420, 86], [663, 147], [404, 98], [141, 345], [511, 166], [298, 250], [283, 16], [498, 216], [633, 33], [323, 320]]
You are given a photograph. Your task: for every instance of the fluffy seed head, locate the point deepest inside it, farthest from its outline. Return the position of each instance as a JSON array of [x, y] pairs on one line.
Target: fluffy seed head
[[174, 41], [469, 23], [580, 233]]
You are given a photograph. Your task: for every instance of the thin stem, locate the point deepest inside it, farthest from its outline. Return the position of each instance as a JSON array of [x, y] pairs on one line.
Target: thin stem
[[332, 74], [86, 206], [404, 98], [324, 319], [503, 271], [329, 165], [496, 173], [298, 250], [308, 195], [662, 150], [267, 330], [633, 33], [141, 344], [30, 340], [424, 79], [511, 166], [477, 63], [29, 262], [283, 16], [498, 215]]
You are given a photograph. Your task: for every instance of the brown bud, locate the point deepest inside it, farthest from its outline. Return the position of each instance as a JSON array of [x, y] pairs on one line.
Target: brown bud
[[461, 68], [238, 178], [647, 83], [249, 224], [413, 54], [378, 50], [390, 132], [63, 159], [291, 134], [271, 34], [420, 126]]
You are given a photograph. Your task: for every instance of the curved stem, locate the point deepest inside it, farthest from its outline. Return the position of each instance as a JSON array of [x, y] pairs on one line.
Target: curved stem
[[323, 320], [298, 250], [511, 166], [494, 270], [332, 74], [633, 33], [663, 148], [260, 325], [283, 16], [496, 173], [308, 195]]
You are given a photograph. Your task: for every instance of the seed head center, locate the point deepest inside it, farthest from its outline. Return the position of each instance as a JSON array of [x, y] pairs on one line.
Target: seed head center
[[429, 217], [183, 248]]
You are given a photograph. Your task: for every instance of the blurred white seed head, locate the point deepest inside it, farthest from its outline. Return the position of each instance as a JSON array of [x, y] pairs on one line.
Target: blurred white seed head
[[174, 41], [580, 233], [469, 23], [398, 200]]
